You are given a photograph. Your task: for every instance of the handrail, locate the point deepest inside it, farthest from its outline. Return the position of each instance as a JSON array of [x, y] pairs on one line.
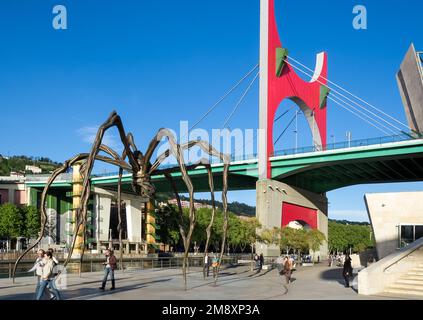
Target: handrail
[[402, 258]]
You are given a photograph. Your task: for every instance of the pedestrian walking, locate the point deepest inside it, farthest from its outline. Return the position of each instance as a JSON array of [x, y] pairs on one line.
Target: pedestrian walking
[[256, 261], [206, 269], [215, 265], [109, 269], [347, 270], [47, 275], [52, 287], [38, 268], [287, 269], [261, 262]]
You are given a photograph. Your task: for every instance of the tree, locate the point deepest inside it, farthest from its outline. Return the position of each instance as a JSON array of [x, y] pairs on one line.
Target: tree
[[32, 221], [288, 239], [251, 236], [343, 236], [11, 221], [167, 221], [315, 239]]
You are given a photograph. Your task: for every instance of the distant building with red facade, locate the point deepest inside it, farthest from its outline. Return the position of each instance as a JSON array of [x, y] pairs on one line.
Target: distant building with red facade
[[12, 190]]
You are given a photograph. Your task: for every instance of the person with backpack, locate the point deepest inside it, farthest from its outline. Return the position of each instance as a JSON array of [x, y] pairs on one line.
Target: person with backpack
[[109, 268], [287, 269]]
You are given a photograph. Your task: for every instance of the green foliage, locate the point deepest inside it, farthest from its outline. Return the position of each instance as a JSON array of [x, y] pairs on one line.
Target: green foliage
[[11, 221], [18, 163], [19, 222], [345, 236], [167, 219], [234, 207], [241, 233], [32, 221], [315, 239], [346, 222], [299, 240]]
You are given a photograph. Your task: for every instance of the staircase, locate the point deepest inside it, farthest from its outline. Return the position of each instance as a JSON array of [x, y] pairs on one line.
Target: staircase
[[401, 272], [411, 283]]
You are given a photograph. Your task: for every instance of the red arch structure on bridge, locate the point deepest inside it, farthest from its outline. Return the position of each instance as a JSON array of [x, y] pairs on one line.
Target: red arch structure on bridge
[[292, 212], [284, 83]]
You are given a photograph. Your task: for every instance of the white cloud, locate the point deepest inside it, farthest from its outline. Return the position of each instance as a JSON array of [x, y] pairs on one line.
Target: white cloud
[[350, 215], [88, 135]]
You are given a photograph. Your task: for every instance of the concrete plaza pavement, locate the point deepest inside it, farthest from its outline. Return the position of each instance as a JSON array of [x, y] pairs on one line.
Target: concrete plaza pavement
[[319, 282]]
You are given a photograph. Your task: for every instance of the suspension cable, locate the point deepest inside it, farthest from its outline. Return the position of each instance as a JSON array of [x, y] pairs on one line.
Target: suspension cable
[[365, 114], [240, 101], [223, 97], [278, 118], [287, 127], [357, 115], [353, 95], [342, 95]]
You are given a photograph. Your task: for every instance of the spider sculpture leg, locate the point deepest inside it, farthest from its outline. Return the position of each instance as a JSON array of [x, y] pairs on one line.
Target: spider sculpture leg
[[177, 151], [81, 213], [225, 159], [44, 217]]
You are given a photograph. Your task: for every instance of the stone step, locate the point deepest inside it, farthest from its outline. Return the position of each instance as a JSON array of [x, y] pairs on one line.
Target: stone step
[[415, 273], [418, 269], [406, 286], [411, 277], [415, 281], [405, 291]]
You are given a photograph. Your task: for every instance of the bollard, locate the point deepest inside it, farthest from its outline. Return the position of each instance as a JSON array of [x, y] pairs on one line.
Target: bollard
[[10, 271]]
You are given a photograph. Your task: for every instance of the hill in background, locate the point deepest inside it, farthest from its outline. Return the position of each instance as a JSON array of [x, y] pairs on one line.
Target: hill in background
[[19, 163], [235, 207], [354, 223]]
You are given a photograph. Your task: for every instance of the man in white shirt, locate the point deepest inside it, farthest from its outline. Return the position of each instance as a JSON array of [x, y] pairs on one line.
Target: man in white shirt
[[38, 268]]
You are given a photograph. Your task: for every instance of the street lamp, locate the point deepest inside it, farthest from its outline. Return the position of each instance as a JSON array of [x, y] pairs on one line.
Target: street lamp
[[296, 130], [349, 134]]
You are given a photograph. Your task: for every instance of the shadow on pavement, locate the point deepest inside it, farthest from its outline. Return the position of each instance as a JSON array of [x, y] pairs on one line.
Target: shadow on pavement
[[334, 275], [87, 293], [96, 292]]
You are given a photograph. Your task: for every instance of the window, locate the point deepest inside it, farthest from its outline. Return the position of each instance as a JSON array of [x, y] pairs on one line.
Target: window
[[418, 232], [409, 234]]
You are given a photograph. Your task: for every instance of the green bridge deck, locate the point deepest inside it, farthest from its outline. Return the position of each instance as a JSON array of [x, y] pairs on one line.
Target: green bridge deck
[[318, 172]]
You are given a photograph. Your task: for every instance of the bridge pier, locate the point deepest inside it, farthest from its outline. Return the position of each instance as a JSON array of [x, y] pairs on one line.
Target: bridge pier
[[279, 204]]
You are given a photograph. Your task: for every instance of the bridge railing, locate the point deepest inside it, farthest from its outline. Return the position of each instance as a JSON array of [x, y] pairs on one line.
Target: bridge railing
[[285, 152], [348, 144]]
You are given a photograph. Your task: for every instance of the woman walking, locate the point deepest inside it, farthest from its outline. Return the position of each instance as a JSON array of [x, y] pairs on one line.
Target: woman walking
[[347, 271], [287, 269]]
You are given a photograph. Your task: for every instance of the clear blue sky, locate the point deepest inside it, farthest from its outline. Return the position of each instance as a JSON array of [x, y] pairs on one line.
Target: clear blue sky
[[158, 62]]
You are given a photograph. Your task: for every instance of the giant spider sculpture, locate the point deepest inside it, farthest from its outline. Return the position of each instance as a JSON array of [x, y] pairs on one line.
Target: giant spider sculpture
[[142, 169]]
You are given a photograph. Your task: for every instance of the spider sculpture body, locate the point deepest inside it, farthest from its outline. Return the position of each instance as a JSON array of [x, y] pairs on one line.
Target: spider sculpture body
[[142, 169]]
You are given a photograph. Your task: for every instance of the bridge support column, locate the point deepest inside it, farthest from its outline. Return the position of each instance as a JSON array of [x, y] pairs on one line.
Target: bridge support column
[[279, 204]]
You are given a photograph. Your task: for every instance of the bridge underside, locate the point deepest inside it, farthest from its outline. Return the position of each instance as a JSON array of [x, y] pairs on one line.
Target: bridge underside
[[200, 183], [321, 178]]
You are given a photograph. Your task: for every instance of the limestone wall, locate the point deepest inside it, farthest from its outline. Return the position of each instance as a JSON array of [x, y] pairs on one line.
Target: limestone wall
[[387, 211]]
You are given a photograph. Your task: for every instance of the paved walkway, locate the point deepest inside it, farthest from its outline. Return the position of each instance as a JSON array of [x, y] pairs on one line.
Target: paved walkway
[[236, 283]]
